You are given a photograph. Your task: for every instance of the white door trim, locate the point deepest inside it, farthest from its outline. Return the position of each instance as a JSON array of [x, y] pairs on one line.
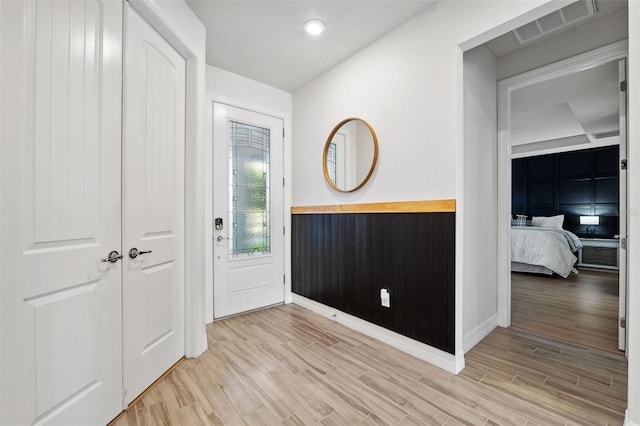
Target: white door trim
[[195, 333], [612, 52], [633, 246], [0, 209], [623, 258], [287, 194]]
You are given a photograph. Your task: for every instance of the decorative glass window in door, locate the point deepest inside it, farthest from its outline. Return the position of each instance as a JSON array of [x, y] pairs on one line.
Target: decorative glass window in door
[[249, 154]]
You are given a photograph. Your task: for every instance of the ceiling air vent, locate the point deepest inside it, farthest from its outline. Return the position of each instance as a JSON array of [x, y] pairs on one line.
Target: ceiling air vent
[[607, 134], [552, 22]]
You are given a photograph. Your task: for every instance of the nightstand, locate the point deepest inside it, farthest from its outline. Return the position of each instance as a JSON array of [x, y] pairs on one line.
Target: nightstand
[[602, 253]]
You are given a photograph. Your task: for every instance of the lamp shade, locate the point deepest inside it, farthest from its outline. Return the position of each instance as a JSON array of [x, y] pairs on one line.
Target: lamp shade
[[589, 220]]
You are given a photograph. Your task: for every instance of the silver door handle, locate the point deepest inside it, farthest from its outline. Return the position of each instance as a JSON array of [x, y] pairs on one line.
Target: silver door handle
[[134, 252], [113, 257], [220, 238]]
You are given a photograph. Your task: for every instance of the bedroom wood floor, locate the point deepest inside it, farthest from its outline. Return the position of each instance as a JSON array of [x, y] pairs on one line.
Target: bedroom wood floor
[[288, 366], [581, 309]]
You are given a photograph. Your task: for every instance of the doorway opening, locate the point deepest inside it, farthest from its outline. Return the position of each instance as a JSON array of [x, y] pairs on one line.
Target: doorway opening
[[565, 179], [494, 171]]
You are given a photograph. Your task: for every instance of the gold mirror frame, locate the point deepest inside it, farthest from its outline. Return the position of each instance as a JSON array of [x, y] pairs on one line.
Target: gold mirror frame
[[325, 152]]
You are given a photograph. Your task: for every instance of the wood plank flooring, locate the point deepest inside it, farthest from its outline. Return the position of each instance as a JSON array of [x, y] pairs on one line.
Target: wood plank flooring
[[288, 366], [582, 308]]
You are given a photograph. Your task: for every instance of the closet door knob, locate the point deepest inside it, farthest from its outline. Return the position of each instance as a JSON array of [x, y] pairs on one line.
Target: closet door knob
[[134, 252], [113, 257]]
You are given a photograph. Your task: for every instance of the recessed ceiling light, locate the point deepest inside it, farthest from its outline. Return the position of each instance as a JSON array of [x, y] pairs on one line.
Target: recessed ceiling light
[[314, 27]]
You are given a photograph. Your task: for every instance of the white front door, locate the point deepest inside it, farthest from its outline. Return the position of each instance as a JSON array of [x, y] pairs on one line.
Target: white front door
[[622, 179], [61, 212], [248, 245], [153, 214]]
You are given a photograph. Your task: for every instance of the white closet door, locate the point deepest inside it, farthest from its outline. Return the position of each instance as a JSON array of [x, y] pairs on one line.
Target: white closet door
[[60, 211], [154, 139]]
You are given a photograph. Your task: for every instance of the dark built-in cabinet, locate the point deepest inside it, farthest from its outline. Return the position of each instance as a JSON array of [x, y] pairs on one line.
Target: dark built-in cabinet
[[577, 183], [344, 260]]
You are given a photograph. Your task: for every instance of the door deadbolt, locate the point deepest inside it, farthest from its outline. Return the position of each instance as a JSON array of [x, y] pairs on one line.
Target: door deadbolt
[[134, 252]]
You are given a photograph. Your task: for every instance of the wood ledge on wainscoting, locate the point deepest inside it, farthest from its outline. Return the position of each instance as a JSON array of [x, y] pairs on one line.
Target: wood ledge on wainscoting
[[429, 206]]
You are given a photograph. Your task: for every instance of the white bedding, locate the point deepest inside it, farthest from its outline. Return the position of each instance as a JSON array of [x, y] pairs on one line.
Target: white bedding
[[546, 247], [531, 269]]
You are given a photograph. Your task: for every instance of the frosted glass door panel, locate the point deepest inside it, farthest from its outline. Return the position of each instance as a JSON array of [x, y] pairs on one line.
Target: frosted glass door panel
[[249, 148]]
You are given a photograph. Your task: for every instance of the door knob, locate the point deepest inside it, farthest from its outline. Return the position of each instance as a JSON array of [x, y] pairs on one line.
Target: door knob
[[220, 238], [113, 257], [134, 252]]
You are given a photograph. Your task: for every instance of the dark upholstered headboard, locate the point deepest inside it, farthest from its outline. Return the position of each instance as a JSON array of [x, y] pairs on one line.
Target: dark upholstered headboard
[[577, 183]]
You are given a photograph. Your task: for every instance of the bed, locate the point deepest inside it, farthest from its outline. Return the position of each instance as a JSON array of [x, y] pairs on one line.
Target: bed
[[544, 250]]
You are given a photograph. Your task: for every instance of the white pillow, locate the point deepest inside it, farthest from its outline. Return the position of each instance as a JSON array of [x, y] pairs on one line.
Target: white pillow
[[548, 222]]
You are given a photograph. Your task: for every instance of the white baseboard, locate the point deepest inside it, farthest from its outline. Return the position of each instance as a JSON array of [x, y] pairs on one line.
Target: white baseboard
[[628, 422], [422, 351], [480, 332]]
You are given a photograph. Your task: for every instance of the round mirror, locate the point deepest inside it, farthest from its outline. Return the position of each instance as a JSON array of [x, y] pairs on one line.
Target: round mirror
[[350, 155]]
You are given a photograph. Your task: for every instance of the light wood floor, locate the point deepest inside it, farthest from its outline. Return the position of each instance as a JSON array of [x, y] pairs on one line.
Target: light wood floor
[[286, 365], [581, 309]]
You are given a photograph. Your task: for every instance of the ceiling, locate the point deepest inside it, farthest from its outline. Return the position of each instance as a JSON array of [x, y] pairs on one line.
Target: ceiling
[[576, 111], [552, 24], [570, 110], [264, 40]]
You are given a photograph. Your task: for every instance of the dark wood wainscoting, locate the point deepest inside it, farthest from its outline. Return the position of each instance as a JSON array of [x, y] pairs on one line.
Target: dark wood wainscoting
[[343, 260]]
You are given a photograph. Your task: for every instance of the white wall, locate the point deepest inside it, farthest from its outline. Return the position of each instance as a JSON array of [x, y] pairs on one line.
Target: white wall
[[223, 86], [228, 87], [480, 171], [408, 86], [581, 39]]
